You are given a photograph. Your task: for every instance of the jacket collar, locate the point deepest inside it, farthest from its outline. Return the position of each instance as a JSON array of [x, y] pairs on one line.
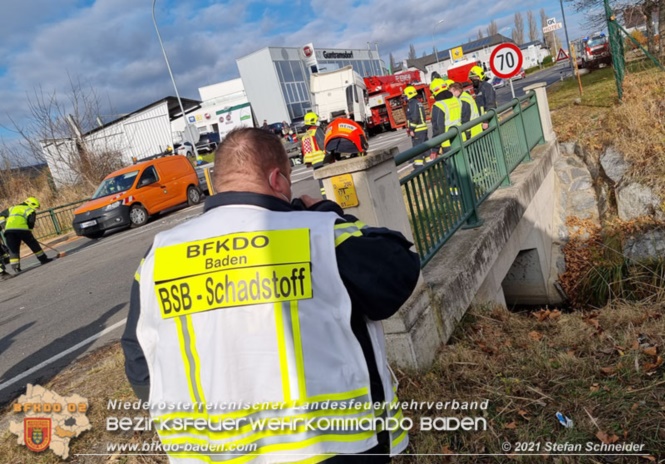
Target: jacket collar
[[246, 198]]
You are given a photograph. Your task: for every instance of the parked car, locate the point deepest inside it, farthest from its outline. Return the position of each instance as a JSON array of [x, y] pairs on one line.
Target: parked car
[[183, 148], [520, 75], [208, 142], [129, 196], [497, 82]]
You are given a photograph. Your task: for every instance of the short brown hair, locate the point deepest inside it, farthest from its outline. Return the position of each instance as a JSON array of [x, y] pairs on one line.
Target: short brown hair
[[457, 86], [248, 152]]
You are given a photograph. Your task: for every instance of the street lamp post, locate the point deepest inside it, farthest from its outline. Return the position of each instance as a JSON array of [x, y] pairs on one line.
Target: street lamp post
[[175, 87], [436, 52]]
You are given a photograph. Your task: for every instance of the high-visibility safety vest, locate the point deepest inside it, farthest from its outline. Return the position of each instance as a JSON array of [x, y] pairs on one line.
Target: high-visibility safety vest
[[478, 128], [18, 217], [312, 153], [243, 312], [452, 109]]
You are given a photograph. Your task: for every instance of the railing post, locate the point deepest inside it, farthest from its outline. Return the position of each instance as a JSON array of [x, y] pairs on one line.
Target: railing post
[[518, 108], [543, 110], [56, 223], [464, 178], [499, 153]]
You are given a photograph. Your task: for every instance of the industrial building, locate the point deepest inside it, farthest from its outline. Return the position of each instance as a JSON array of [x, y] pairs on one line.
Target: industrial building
[[276, 79]]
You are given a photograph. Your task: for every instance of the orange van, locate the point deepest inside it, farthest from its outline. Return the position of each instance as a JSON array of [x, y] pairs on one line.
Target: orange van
[[129, 196]]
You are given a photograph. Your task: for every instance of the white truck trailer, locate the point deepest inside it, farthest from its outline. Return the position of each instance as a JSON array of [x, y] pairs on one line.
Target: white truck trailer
[[339, 93]]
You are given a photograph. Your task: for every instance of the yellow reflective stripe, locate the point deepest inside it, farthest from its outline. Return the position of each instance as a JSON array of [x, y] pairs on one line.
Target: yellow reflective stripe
[[293, 446], [297, 344], [398, 438], [13, 260], [346, 230], [185, 357], [281, 348], [137, 274], [339, 396], [197, 360]]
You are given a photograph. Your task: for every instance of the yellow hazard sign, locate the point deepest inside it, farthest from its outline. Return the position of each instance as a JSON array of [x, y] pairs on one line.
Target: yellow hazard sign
[[457, 53], [345, 191]]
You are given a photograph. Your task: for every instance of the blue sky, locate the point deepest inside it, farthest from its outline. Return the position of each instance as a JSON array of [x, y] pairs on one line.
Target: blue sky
[[111, 45]]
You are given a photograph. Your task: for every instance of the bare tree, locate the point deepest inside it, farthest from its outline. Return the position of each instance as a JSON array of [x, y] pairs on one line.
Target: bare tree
[[518, 29], [54, 131], [480, 34], [492, 29], [533, 26], [412, 52]]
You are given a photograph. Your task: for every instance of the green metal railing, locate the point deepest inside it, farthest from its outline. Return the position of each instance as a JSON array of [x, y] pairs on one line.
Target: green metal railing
[[445, 194], [55, 221]]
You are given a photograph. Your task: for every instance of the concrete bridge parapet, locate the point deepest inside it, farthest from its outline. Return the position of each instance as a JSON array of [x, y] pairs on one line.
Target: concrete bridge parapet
[[507, 258]]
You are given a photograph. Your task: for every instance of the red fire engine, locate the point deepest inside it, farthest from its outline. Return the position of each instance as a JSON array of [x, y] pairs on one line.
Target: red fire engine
[[386, 102]]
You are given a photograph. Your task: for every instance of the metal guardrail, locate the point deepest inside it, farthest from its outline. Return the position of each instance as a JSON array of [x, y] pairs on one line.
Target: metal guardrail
[[55, 221], [445, 194]]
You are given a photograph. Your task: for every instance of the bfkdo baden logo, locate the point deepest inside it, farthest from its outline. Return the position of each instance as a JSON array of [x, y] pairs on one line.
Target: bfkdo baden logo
[[37, 433], [50, 421]]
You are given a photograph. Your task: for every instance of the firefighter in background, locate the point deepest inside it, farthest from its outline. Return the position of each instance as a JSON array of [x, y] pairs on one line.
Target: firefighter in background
[[446, 113], [345, 137], [485, 93], [416, 119], [312, 145], [469, 109], [4, 252], [20, 220]]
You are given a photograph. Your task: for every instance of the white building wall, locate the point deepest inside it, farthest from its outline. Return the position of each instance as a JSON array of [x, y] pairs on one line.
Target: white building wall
[[262, 86], [221, 89], [61, 155], [148, 132]]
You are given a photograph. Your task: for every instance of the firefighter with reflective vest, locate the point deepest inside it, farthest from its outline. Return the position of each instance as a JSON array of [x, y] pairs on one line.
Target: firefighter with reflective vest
[[312, 142], [485, 93], [263, 310], [446, 113], [19, 221], [447, 110], [416, 118], [469, 110]]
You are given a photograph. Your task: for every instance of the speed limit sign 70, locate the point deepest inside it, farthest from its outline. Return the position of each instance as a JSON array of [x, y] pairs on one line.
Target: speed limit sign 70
[[506, 60]]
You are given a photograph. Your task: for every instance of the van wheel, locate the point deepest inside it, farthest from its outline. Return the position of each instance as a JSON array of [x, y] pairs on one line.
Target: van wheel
[[138, 216], [193, 195]]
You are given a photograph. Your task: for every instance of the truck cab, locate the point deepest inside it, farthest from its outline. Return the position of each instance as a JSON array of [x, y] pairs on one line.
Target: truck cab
[[339, 93]]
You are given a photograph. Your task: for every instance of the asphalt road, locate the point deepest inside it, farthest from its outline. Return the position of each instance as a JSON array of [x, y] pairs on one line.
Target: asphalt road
[[79, 302], [548, 75]]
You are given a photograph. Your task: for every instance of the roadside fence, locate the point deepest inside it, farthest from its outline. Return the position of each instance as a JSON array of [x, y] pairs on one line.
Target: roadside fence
[[445, 194], [55, 221]]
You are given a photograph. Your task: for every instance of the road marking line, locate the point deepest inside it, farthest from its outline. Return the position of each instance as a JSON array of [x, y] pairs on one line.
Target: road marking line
[[62, 354]]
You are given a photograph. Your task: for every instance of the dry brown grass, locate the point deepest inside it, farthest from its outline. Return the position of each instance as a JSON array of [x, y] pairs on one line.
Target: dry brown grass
[[636, 126], [529, 366], [18, 187]]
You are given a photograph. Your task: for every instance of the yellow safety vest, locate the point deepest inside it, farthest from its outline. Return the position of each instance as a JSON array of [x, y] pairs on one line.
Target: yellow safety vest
[[452, 110], [18, 217], [249, 318], [478, 128], [312, 153]]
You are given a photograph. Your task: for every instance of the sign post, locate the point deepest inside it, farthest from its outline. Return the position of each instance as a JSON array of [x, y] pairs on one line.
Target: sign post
[[506, 61]]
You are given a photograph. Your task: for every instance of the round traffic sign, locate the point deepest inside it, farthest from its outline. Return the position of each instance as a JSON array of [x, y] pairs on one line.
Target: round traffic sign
[[506, 60]]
